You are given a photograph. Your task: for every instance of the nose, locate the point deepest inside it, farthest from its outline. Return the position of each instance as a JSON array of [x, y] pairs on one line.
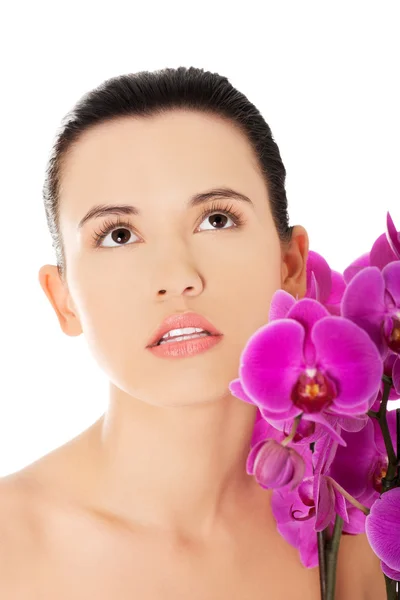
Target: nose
[[180, 276]]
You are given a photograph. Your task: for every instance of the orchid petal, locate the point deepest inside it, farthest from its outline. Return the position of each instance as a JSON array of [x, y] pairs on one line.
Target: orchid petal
[[355, 267], [331, 429], [308, 312], [364, 303], [391, 276], [237, 390], [280, 305], [392, 236], [350, 359], [383, 530], [317, 265], [340, 505], [338, 288], [391, 573], [271, 364], [326, 505], [252, 457], [381, 253]]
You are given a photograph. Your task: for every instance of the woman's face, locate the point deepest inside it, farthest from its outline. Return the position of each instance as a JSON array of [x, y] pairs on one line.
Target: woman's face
[[225, 269]]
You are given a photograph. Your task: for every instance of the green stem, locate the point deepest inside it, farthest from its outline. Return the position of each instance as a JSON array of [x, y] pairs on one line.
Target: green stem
[[292, 433], [331, 558], [321, 540], [373, 414], [348, 496], [389, 480], [391, 593], [398, 433]]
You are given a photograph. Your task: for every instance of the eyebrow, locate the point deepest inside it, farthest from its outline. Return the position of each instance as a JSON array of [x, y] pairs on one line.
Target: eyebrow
[[127, 209]]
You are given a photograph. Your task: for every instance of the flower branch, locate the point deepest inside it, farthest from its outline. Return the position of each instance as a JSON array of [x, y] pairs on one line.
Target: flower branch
[[315, 373]]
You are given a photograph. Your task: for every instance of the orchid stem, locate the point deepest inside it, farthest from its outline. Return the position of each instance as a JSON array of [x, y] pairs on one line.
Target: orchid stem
[[373, 414], [391, 593], [348, 496], [398, 433], [391, 474], [331, 558], [292, 433], [322, 540]]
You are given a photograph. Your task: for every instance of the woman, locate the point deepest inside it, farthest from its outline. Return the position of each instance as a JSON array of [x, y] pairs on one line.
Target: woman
[[165, 198]]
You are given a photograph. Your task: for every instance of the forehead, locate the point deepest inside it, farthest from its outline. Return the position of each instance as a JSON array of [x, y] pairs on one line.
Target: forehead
[[178, 153]]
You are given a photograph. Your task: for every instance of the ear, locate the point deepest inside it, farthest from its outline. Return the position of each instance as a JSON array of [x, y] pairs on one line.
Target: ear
[[59, 297], [294, 263]]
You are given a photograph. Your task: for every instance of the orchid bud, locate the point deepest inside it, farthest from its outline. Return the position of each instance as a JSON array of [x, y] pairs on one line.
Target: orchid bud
[[274, 465]]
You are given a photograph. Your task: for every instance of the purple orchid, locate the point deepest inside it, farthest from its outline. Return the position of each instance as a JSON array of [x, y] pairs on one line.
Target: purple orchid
[[372, 301], [307, 431], [385, 250], [271, 462], [323, 284], [382, 527], [328, 499], [273, 465], [312, 506], [307, 362], [360, 466], [372, 297], [294, 513], [298, 533]]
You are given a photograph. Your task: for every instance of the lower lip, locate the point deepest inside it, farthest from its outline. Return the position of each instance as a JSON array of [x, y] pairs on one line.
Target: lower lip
[[186, 348]]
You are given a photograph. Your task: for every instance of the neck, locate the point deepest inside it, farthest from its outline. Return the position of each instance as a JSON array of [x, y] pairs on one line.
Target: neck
[[180, 469]]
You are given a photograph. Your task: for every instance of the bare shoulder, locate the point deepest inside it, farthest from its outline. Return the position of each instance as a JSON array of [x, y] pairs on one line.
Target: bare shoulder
[[14, 516], [18, 532]]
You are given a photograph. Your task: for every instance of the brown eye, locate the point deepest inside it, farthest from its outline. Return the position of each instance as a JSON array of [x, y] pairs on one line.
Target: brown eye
[[217, 220], [218, 215], [121, 234]]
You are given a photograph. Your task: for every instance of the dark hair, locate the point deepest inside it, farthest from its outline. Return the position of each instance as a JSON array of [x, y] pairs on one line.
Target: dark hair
[[150, 93]]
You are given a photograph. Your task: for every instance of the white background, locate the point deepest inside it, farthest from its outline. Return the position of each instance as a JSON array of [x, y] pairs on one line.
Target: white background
[[325, 77]]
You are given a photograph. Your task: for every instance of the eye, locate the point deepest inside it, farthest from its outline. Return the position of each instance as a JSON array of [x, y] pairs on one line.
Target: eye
[[120, 231], [216, 212]]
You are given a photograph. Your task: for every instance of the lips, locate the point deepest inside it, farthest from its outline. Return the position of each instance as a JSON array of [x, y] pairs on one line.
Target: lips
[[179, 321]]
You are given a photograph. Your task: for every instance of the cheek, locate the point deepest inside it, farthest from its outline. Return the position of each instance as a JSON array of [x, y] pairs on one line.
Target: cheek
[[247, 287], [114, 319], [250, 273]]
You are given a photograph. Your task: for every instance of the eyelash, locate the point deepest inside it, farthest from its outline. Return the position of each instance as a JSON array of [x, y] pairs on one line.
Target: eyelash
[[230, 211]]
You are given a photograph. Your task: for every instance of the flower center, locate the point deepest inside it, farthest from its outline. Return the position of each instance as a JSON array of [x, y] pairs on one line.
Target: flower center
[[379, 473], [394, 339], [313, 391]]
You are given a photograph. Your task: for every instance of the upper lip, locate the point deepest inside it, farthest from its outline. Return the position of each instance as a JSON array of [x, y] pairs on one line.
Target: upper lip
[[180, 320]]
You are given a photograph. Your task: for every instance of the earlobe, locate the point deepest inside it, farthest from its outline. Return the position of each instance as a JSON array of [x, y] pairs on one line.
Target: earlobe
[[58, 296]]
